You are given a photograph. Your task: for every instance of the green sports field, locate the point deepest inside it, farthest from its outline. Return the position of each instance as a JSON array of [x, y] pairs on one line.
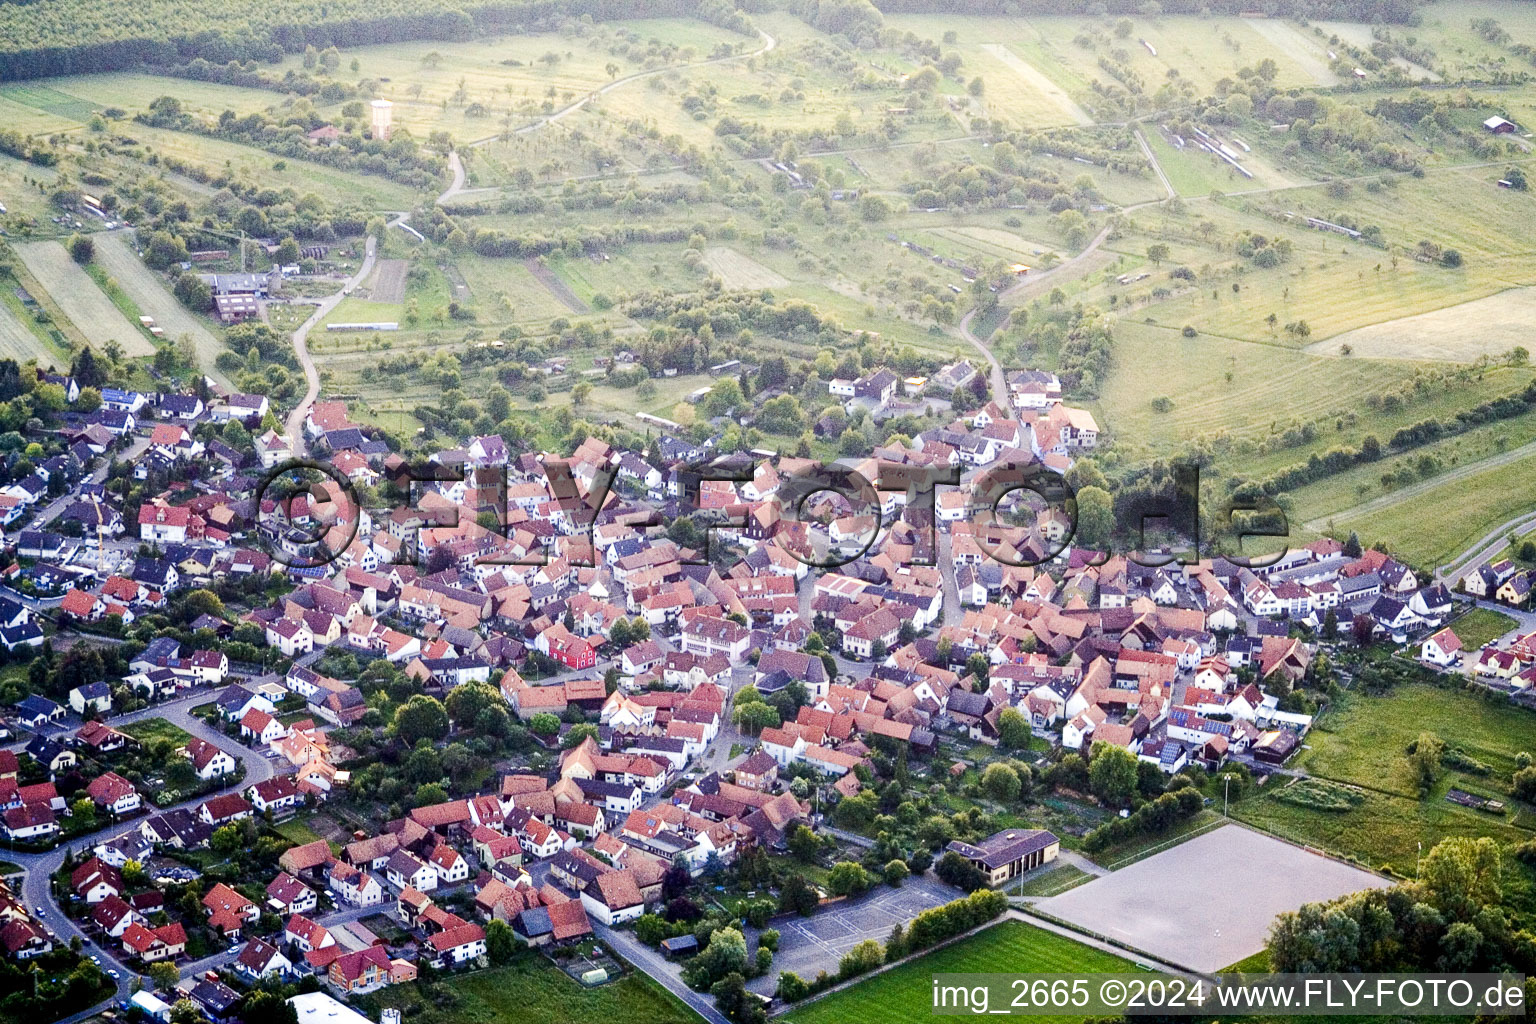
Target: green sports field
[[903, 994]]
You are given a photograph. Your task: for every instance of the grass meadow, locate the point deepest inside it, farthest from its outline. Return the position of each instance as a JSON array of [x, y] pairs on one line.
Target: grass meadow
[[86, 305], [903, 994], [531, 990]]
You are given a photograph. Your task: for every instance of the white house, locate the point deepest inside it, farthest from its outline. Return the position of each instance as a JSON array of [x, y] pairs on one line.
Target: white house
[[1442, 649]]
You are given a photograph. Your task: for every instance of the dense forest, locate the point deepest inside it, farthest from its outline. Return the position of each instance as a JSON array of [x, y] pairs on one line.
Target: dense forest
[[65, 37]]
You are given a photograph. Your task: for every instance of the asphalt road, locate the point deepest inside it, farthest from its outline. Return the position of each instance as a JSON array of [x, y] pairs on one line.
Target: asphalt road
[[40, 866], [301, 348]]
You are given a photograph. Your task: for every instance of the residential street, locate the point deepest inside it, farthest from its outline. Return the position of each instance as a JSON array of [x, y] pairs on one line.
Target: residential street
[[39, 867]]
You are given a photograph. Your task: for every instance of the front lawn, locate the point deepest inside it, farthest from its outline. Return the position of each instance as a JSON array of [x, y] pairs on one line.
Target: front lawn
[[1480, 626]]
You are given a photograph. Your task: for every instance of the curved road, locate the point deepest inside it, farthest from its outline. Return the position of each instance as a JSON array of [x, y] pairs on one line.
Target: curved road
[[39, 867], [999, 382], [301, 347], [1491, 544]]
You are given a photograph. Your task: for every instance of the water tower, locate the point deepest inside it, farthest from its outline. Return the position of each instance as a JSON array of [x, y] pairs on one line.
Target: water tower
[[383, 111]]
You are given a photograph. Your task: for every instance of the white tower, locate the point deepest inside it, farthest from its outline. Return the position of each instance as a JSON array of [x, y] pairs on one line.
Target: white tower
[[383, 110]]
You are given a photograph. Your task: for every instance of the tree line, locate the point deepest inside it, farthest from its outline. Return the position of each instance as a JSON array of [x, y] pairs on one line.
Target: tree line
[[66, 37]]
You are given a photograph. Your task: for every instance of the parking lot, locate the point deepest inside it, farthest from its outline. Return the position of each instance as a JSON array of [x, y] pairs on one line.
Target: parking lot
[[808, 945], [1207, 903]]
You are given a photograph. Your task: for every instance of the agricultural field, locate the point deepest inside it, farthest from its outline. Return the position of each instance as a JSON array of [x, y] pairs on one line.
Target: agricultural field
[[328, 183], [1489, 326], [904, 993], [146, 289], [739, 272], [23, 117], [475, 90], [20, 337], [1430, 525], [91, 311]]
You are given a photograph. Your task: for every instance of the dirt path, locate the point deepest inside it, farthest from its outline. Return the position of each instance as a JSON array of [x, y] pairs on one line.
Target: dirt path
[[1422, 487], [556, 287], [1038, 80], [1141, 140], [1492, 543], [1022, 292]]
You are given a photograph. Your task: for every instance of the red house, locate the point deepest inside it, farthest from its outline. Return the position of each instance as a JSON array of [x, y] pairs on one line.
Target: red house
[[566, 647]]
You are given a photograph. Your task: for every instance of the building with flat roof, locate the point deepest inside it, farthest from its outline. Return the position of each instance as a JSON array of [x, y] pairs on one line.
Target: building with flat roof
[[319, 1008]]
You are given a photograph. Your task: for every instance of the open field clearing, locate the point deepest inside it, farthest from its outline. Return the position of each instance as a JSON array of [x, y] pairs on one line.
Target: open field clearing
[[983, 244], [353, 310], [370, 191], [904, 994], [1194, 172], [1463, 455], [739, 272], [783, 89], [1357, 34], [135, 92], [634, 268], [22, 198], [1366, 737], [1489, 326], [77, 295], [1273, 877], [556, 287], [506, 291], [17, 339], [1333, 288], [1036, 86], [1247, 392], [1303, 47], [46, 98], [148, 729], [1361, 743], [146, 289], [1198, 49], [1430, 525], [434, 85], [1481, 626], [30, 120]]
